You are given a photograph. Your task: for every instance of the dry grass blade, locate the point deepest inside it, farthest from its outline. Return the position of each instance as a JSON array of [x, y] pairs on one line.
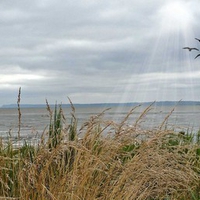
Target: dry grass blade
[[102, 113], [167, 117], [117, 132], [50, 195], [49, 109], [19, 112], [72, 105], [94, 120], [103, 129], [144, 113]]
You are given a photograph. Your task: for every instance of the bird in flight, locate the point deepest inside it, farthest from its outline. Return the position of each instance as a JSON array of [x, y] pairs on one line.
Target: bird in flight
[[190, 49], [197, 39], [197, 56]]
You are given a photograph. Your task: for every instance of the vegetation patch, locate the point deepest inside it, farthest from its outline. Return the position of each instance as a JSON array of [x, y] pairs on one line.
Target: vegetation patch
[[109, 161]]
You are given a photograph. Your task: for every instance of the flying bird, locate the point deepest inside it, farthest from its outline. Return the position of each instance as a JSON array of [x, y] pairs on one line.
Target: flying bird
[[190, 49], [197, 39], [197, 56]]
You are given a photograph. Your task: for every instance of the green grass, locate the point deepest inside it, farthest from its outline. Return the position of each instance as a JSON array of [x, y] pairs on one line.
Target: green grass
[[109, 162]]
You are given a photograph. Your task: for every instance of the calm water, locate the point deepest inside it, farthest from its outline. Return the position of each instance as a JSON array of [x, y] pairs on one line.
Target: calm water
[[35, 120]]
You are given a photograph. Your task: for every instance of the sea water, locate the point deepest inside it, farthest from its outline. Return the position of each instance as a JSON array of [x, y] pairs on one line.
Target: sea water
[[34, 121]]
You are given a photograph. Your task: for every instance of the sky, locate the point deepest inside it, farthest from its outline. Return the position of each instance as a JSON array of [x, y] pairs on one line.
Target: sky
[[97, 51]]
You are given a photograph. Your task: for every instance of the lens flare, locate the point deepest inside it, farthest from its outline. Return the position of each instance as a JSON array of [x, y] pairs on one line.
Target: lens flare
[[175, 16]]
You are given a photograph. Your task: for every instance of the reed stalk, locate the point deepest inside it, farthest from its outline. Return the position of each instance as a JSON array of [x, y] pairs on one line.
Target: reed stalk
[[19, 113]]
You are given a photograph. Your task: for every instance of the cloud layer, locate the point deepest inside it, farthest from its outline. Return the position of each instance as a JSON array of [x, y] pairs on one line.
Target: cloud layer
[[99, 51]]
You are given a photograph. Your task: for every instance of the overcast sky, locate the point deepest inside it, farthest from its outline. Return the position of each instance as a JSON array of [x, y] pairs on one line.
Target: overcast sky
[[99, 51]]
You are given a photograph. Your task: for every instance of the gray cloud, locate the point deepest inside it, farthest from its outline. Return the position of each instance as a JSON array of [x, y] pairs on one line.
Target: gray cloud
[[98, 51]]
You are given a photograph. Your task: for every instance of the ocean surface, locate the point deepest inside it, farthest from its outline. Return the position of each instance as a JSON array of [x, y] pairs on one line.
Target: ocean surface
[[34, 121]]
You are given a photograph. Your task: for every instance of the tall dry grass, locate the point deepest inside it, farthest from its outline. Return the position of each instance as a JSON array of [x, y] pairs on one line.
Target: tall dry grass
[[110, 161]]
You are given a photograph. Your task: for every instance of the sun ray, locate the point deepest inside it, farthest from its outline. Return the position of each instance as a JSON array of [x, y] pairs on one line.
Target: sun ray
[[174, 31]]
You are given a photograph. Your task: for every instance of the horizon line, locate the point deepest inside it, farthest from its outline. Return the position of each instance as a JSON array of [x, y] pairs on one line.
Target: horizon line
[[98, 104]]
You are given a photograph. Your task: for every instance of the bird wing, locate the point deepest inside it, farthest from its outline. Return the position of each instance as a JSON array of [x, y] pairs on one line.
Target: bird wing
[[186, 47], [197, 56], [197, 39], [195, 49]]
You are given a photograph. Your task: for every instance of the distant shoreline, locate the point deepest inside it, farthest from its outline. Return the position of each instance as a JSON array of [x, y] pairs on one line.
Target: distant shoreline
[[157, 103]]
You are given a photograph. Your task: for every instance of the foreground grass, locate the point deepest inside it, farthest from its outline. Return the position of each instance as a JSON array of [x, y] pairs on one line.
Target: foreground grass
[[110, 161]]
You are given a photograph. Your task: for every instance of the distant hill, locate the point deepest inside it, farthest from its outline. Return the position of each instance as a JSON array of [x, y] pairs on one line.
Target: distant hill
[[158, 103]]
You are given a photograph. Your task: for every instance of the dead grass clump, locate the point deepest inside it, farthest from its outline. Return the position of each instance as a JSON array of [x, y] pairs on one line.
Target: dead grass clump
[[157, 171], [103, 169], [128, 163], [91, 175]]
